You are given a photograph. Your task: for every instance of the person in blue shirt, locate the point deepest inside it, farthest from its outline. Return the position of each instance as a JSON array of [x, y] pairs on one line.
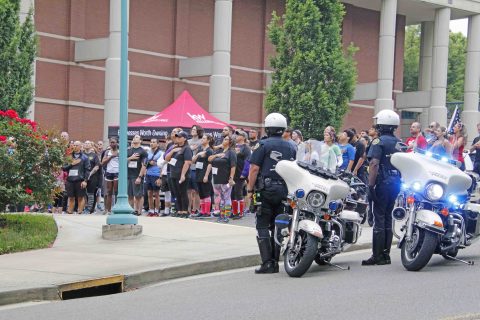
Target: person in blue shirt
[[348, 151], [153, 180]]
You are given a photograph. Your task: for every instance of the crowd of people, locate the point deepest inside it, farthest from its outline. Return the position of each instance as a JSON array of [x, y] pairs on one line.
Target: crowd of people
[[200, 176]]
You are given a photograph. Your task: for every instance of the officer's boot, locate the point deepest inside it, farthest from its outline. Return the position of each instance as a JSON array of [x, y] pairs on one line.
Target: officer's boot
[[265, 247], [90, 201], [388, 245], [378, 243], [275, 254]]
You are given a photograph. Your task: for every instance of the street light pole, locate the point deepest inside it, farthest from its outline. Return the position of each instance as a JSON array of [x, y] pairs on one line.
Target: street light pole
[[122, 211]]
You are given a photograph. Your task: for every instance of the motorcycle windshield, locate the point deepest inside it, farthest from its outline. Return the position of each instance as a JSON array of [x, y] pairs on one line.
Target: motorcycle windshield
[[320, 155]]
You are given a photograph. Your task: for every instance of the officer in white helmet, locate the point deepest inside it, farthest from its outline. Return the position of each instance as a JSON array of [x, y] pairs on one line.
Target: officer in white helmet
[[383, 185], [263, 180]]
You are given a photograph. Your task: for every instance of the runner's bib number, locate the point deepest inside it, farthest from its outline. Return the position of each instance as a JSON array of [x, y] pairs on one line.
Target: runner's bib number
[[173, 162], [214, 171], [199, 165], [73, 173], [132, 164]]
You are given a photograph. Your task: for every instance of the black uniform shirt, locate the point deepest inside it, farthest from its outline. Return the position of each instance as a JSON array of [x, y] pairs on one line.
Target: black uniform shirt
[[270, 151], [382, 148]]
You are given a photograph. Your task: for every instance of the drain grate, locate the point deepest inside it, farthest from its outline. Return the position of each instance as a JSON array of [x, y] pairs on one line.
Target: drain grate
[[92, 288]]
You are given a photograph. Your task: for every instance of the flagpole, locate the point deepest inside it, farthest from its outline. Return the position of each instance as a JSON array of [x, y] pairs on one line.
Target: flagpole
[[454, 115]]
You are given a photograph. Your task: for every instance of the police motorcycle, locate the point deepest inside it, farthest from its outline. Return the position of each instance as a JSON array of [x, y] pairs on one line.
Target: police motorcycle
[[433, 209], [357, 199], [318, 227]]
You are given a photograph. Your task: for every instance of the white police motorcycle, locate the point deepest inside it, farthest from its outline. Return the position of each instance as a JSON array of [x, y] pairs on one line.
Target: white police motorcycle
[[318, 228], [433, 209]]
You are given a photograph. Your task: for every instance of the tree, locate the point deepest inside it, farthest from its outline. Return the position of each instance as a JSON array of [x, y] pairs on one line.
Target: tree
[[456, 63], [18, 47], [313, 78], [411, 58], [456, 67]]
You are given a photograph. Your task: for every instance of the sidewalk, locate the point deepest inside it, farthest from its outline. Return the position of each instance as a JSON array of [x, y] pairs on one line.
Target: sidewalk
[[169, 248]]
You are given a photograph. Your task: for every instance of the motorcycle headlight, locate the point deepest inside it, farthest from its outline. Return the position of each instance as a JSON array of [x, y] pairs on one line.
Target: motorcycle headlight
[[434, 192], [316, 199]]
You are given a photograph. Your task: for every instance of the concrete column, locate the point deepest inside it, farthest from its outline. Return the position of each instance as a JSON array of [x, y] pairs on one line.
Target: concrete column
[[386, 55], [425, 66], [220, 81], [470, 115], [438, 110], [112, 71], [25, 6]]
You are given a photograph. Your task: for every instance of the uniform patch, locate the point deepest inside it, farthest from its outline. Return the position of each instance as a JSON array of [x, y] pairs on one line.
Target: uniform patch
[[375, 141], [256, 147]]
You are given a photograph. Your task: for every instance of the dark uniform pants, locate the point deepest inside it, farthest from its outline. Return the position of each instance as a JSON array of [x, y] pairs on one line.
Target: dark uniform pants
[[271, 198], [382, 214]]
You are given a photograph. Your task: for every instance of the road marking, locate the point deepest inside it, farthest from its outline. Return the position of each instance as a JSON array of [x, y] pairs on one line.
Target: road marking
[[471, 316], [24, 305]]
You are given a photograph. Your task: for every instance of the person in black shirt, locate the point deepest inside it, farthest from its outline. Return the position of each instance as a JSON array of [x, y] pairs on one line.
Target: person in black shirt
[[476, 148], [78, 171], [243, 153], [358, 168], [136, 162], [253, 138], [179, 160], [204, 180], [94, 177], [222, 165]]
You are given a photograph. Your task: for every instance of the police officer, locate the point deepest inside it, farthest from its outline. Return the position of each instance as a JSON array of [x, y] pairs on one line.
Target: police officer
[[383, 186], [271, 187]]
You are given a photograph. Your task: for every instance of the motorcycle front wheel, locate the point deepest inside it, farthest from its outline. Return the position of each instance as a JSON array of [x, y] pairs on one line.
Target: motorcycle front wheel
[[419, 250], [299, 258]]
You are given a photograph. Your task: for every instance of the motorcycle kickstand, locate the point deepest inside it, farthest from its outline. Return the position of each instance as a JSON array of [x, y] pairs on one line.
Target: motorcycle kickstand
[[337, 266], [470, 263]]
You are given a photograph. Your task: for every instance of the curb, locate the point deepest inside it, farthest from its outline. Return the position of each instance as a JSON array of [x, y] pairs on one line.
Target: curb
[[140, 279]]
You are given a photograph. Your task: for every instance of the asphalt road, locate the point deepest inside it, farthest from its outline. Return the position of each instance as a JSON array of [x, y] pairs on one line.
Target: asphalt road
[[443, 290]]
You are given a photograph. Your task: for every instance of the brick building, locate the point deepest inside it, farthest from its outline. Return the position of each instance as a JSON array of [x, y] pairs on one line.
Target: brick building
[[207, 46]]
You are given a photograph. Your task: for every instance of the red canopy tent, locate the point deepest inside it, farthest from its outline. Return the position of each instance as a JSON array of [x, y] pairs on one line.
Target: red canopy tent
[[184, 112]]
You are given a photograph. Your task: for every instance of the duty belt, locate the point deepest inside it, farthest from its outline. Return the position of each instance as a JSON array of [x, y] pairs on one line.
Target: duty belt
[[270, 182]]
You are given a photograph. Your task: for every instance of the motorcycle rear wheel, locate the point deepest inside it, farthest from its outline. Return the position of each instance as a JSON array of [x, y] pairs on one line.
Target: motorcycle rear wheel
[[297, 260], [418, 252]]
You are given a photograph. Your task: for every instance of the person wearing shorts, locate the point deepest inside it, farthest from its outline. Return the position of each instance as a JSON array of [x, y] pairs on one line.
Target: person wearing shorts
[[110, 162], [136, 158], [153, 181], [78, 171]]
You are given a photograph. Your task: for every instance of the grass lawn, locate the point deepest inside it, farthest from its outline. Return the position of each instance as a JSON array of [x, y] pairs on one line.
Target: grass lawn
[[21, 232]]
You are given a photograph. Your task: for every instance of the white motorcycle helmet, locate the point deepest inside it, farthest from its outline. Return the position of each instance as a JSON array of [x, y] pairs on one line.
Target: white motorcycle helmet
[[387, 118], [275, 120], [275, 124]]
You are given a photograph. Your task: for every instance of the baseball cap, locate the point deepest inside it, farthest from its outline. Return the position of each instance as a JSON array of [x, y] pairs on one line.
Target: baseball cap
[[242, 133], [182, 134]]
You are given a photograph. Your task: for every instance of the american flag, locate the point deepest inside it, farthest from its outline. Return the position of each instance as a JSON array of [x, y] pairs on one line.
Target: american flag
[[455, 119]]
